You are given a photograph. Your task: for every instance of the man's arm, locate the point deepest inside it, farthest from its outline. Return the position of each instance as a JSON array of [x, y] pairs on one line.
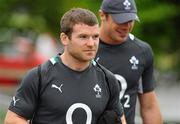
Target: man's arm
[[150, 111], [13, 118], [123, 120]]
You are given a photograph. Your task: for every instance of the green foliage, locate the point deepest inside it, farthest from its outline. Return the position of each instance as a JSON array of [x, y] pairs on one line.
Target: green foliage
[[25, 21], [158, 13], [159, 22], [2, 115]]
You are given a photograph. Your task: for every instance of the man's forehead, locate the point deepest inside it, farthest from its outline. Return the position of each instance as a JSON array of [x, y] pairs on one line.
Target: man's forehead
[[85, 28], [84, 25]]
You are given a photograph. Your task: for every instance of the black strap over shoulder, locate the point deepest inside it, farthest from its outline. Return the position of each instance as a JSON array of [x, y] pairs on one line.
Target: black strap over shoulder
[[108, 76], [39, 90], [109, 116]]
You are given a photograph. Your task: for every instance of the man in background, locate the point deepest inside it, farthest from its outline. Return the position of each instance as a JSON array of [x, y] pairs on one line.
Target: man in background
[[129, 58]]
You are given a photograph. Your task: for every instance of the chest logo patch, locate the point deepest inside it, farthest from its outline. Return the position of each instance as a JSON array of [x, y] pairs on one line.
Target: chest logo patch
[[59, 88], [134, 63], [97, 90]]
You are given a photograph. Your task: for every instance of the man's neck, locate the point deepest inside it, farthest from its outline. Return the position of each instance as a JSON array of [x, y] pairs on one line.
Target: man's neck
[[73, 63]]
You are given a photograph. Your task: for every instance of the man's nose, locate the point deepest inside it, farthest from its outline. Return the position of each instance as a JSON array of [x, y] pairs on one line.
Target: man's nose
[[90, 41]]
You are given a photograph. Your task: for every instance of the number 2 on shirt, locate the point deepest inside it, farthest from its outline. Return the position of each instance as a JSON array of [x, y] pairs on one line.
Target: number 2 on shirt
[[123, 84]]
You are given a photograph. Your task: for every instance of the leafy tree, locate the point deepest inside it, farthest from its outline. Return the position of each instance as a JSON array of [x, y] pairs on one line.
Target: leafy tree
[[158, 26]]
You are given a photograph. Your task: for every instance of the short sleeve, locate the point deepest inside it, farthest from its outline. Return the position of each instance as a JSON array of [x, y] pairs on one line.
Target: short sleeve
[[24, 101], [147, 82]]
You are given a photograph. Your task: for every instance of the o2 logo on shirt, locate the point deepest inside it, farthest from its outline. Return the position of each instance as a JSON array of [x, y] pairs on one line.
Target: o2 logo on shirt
[[73, 107], [123, 84]]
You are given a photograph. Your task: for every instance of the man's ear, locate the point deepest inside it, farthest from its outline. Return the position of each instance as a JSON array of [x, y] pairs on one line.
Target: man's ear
[[102, 15], [64, 39]]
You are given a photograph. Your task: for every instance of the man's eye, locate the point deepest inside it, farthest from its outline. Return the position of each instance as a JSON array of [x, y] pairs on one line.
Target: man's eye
[[83, 36], [95, 37]]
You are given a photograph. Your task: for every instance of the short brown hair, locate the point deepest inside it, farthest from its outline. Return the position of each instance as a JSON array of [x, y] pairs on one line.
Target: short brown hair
[[77, 16]]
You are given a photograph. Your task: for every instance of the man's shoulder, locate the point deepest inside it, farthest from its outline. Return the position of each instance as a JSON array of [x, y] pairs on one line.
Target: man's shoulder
[[33, 72], [140, 43], [46, 65], [101, 68], [108, 74]]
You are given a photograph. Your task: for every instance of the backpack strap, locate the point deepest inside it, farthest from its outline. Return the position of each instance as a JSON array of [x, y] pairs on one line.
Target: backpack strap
[[53, 61], [39, 90], [109, 76]]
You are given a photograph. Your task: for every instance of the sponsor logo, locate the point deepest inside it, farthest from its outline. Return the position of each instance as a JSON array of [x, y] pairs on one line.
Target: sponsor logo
[[59, 88], [15, 100]]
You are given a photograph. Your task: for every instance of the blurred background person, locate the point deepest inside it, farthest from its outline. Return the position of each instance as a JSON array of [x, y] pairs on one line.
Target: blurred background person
[[46, 45], [26, 52], [22, 55]]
